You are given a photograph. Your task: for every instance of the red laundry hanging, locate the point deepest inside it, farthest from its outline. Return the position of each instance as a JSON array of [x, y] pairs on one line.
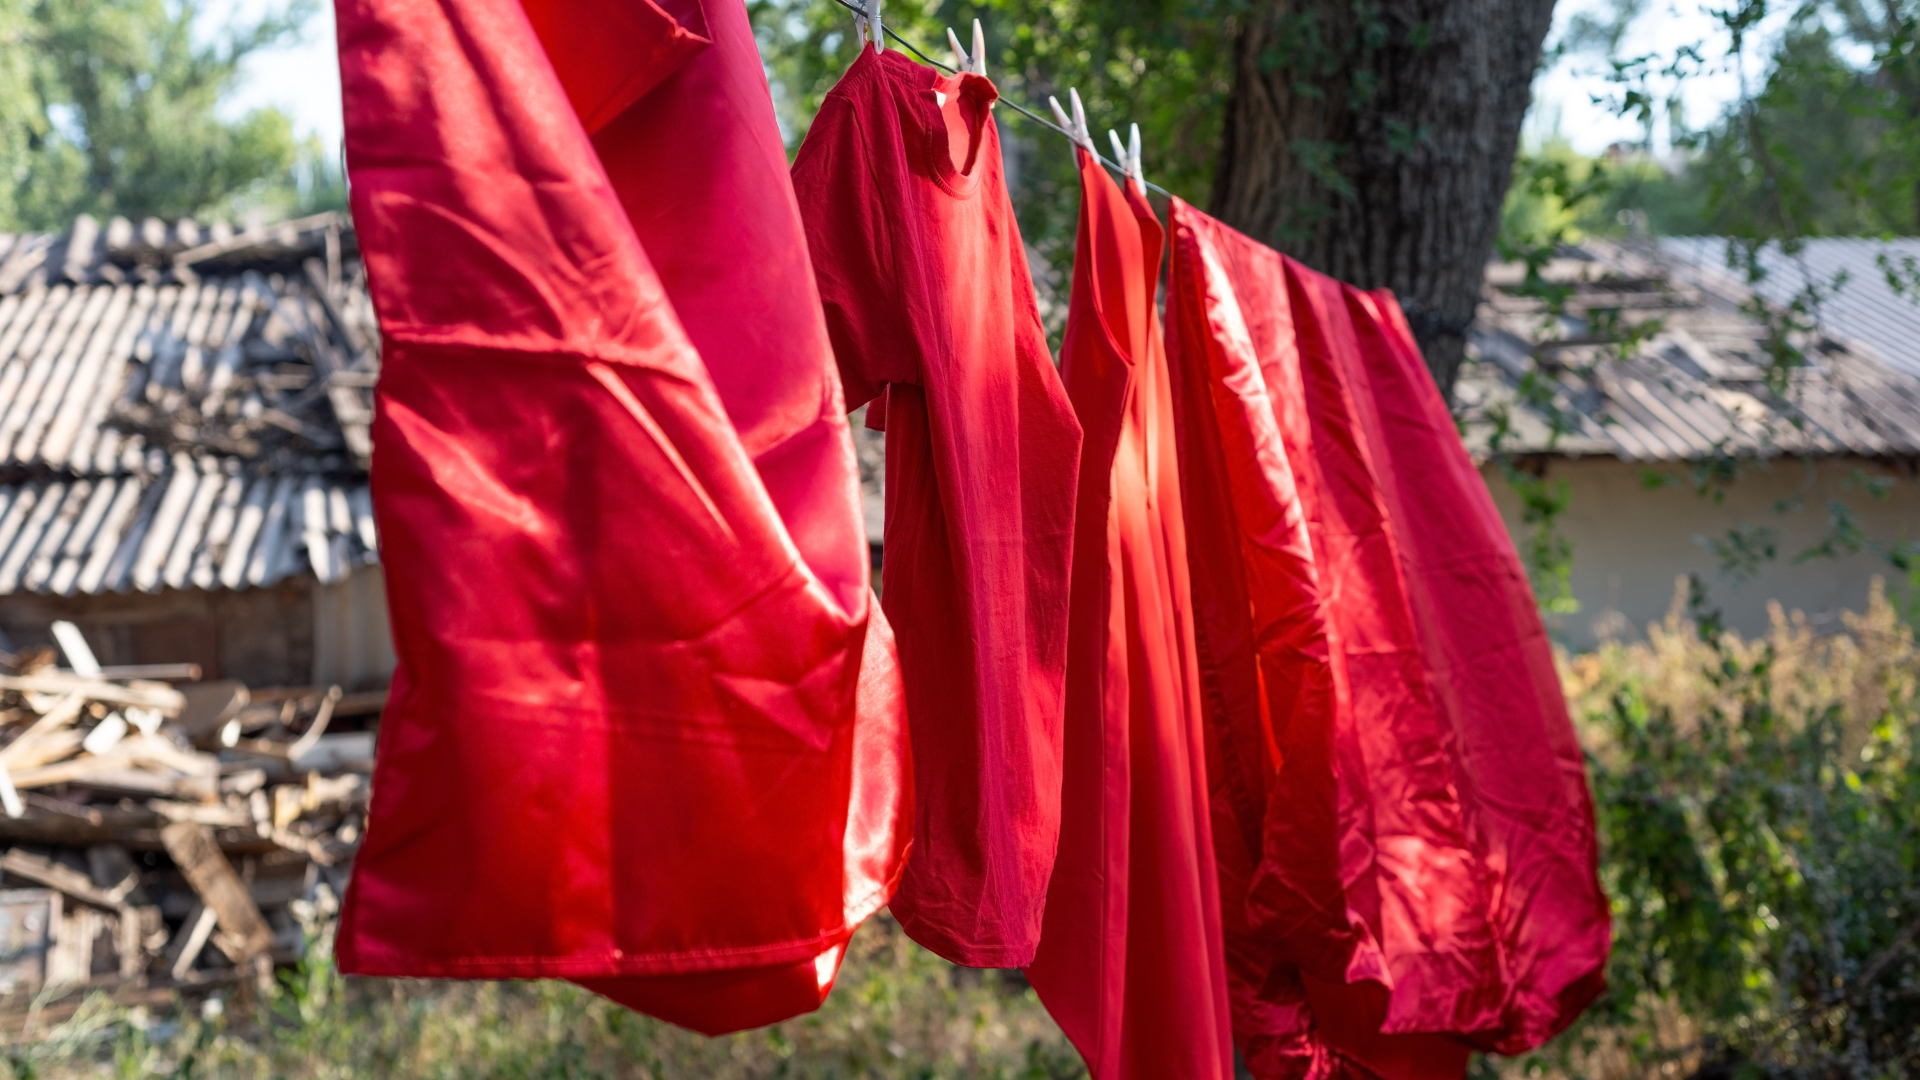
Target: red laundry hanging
[[1370, 650], [933, 320], [1492, 670], [1130, 961], [621, 745], [701, 172]]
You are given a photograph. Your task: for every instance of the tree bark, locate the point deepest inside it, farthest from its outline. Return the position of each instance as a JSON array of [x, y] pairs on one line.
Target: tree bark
[[1374, 142]]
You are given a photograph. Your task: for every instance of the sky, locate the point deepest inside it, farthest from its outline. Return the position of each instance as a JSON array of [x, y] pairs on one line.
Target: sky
[[303, 79], [1563, 97]]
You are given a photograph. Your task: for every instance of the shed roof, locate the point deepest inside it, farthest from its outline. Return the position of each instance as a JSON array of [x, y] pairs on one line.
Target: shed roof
[[1694, 384], [183, 407], [1857, 302]]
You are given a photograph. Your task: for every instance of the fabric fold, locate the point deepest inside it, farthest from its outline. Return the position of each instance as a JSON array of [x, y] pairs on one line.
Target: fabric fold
[[1130, 960], [643, 728], [1401, 815]]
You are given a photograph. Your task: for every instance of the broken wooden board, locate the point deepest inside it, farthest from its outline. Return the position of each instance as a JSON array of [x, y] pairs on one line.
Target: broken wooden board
[[194, 851]]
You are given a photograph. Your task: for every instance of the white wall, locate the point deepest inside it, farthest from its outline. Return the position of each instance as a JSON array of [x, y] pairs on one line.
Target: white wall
[[1630, 543]]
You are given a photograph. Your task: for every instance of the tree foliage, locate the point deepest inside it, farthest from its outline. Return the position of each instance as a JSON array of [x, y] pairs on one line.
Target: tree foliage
[[1383, 96], [1163, 64], [113, 107]]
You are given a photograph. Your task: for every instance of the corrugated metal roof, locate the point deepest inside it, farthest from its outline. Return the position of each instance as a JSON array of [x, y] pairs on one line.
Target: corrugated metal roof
[[183, 407], [1693, 387], [1864, 307]]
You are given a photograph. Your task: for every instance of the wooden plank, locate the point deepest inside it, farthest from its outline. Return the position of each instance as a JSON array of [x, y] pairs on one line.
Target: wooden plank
[[147, 695], [43, 871], [152, 672], [139, 926], [219, 815], [193, 850], [103, 766], [210, 705], [32, 753], [274, 234], [21, 749], [160, 752], [187, 942]]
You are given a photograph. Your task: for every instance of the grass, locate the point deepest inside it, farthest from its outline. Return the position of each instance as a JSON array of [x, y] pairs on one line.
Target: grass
[[898, 1011]]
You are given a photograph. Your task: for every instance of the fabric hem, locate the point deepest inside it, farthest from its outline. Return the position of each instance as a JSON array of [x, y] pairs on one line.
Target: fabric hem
[[604, 965], [944, 946]]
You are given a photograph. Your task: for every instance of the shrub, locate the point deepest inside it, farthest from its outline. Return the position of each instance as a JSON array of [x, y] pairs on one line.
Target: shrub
[[1759, 813]]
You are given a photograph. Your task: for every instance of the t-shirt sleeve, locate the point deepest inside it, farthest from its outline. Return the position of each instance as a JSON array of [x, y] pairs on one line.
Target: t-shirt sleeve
[[845, 211]]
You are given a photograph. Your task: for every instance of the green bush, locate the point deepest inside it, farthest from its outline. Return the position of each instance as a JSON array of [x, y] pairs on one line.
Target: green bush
[[1759, 816]]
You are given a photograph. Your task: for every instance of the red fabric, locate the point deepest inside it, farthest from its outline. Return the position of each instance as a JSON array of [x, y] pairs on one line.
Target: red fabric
[[1403, 827], [1130, 961], [928, 299], [608, 55], [621, 743]]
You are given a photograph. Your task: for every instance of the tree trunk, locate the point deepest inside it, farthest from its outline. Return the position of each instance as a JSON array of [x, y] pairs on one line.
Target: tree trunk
[[1375, 141]]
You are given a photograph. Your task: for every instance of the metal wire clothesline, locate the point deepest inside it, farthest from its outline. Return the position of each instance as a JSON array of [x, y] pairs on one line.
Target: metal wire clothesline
[[1014, 105]]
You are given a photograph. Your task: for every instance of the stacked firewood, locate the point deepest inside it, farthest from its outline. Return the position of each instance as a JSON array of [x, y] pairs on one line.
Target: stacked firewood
[[160, 831]]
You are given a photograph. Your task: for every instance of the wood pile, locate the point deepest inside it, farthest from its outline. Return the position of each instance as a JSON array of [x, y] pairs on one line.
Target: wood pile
[[158, 831]]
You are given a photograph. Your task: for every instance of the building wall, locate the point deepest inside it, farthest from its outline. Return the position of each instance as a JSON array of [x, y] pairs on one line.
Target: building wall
[[352, 644], [263, 637], [1631, 543]]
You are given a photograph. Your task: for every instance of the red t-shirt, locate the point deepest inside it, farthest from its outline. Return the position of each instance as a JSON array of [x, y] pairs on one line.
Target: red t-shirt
[[930, 308], [1130, 961]]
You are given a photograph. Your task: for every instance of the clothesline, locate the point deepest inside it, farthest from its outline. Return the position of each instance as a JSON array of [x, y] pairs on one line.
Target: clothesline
[[1016, 106], [1012, 752]]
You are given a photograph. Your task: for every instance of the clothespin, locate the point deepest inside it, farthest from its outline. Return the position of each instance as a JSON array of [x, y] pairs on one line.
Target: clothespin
[[867, 23], [975, 64], [1076, 128], [1129, 157]]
